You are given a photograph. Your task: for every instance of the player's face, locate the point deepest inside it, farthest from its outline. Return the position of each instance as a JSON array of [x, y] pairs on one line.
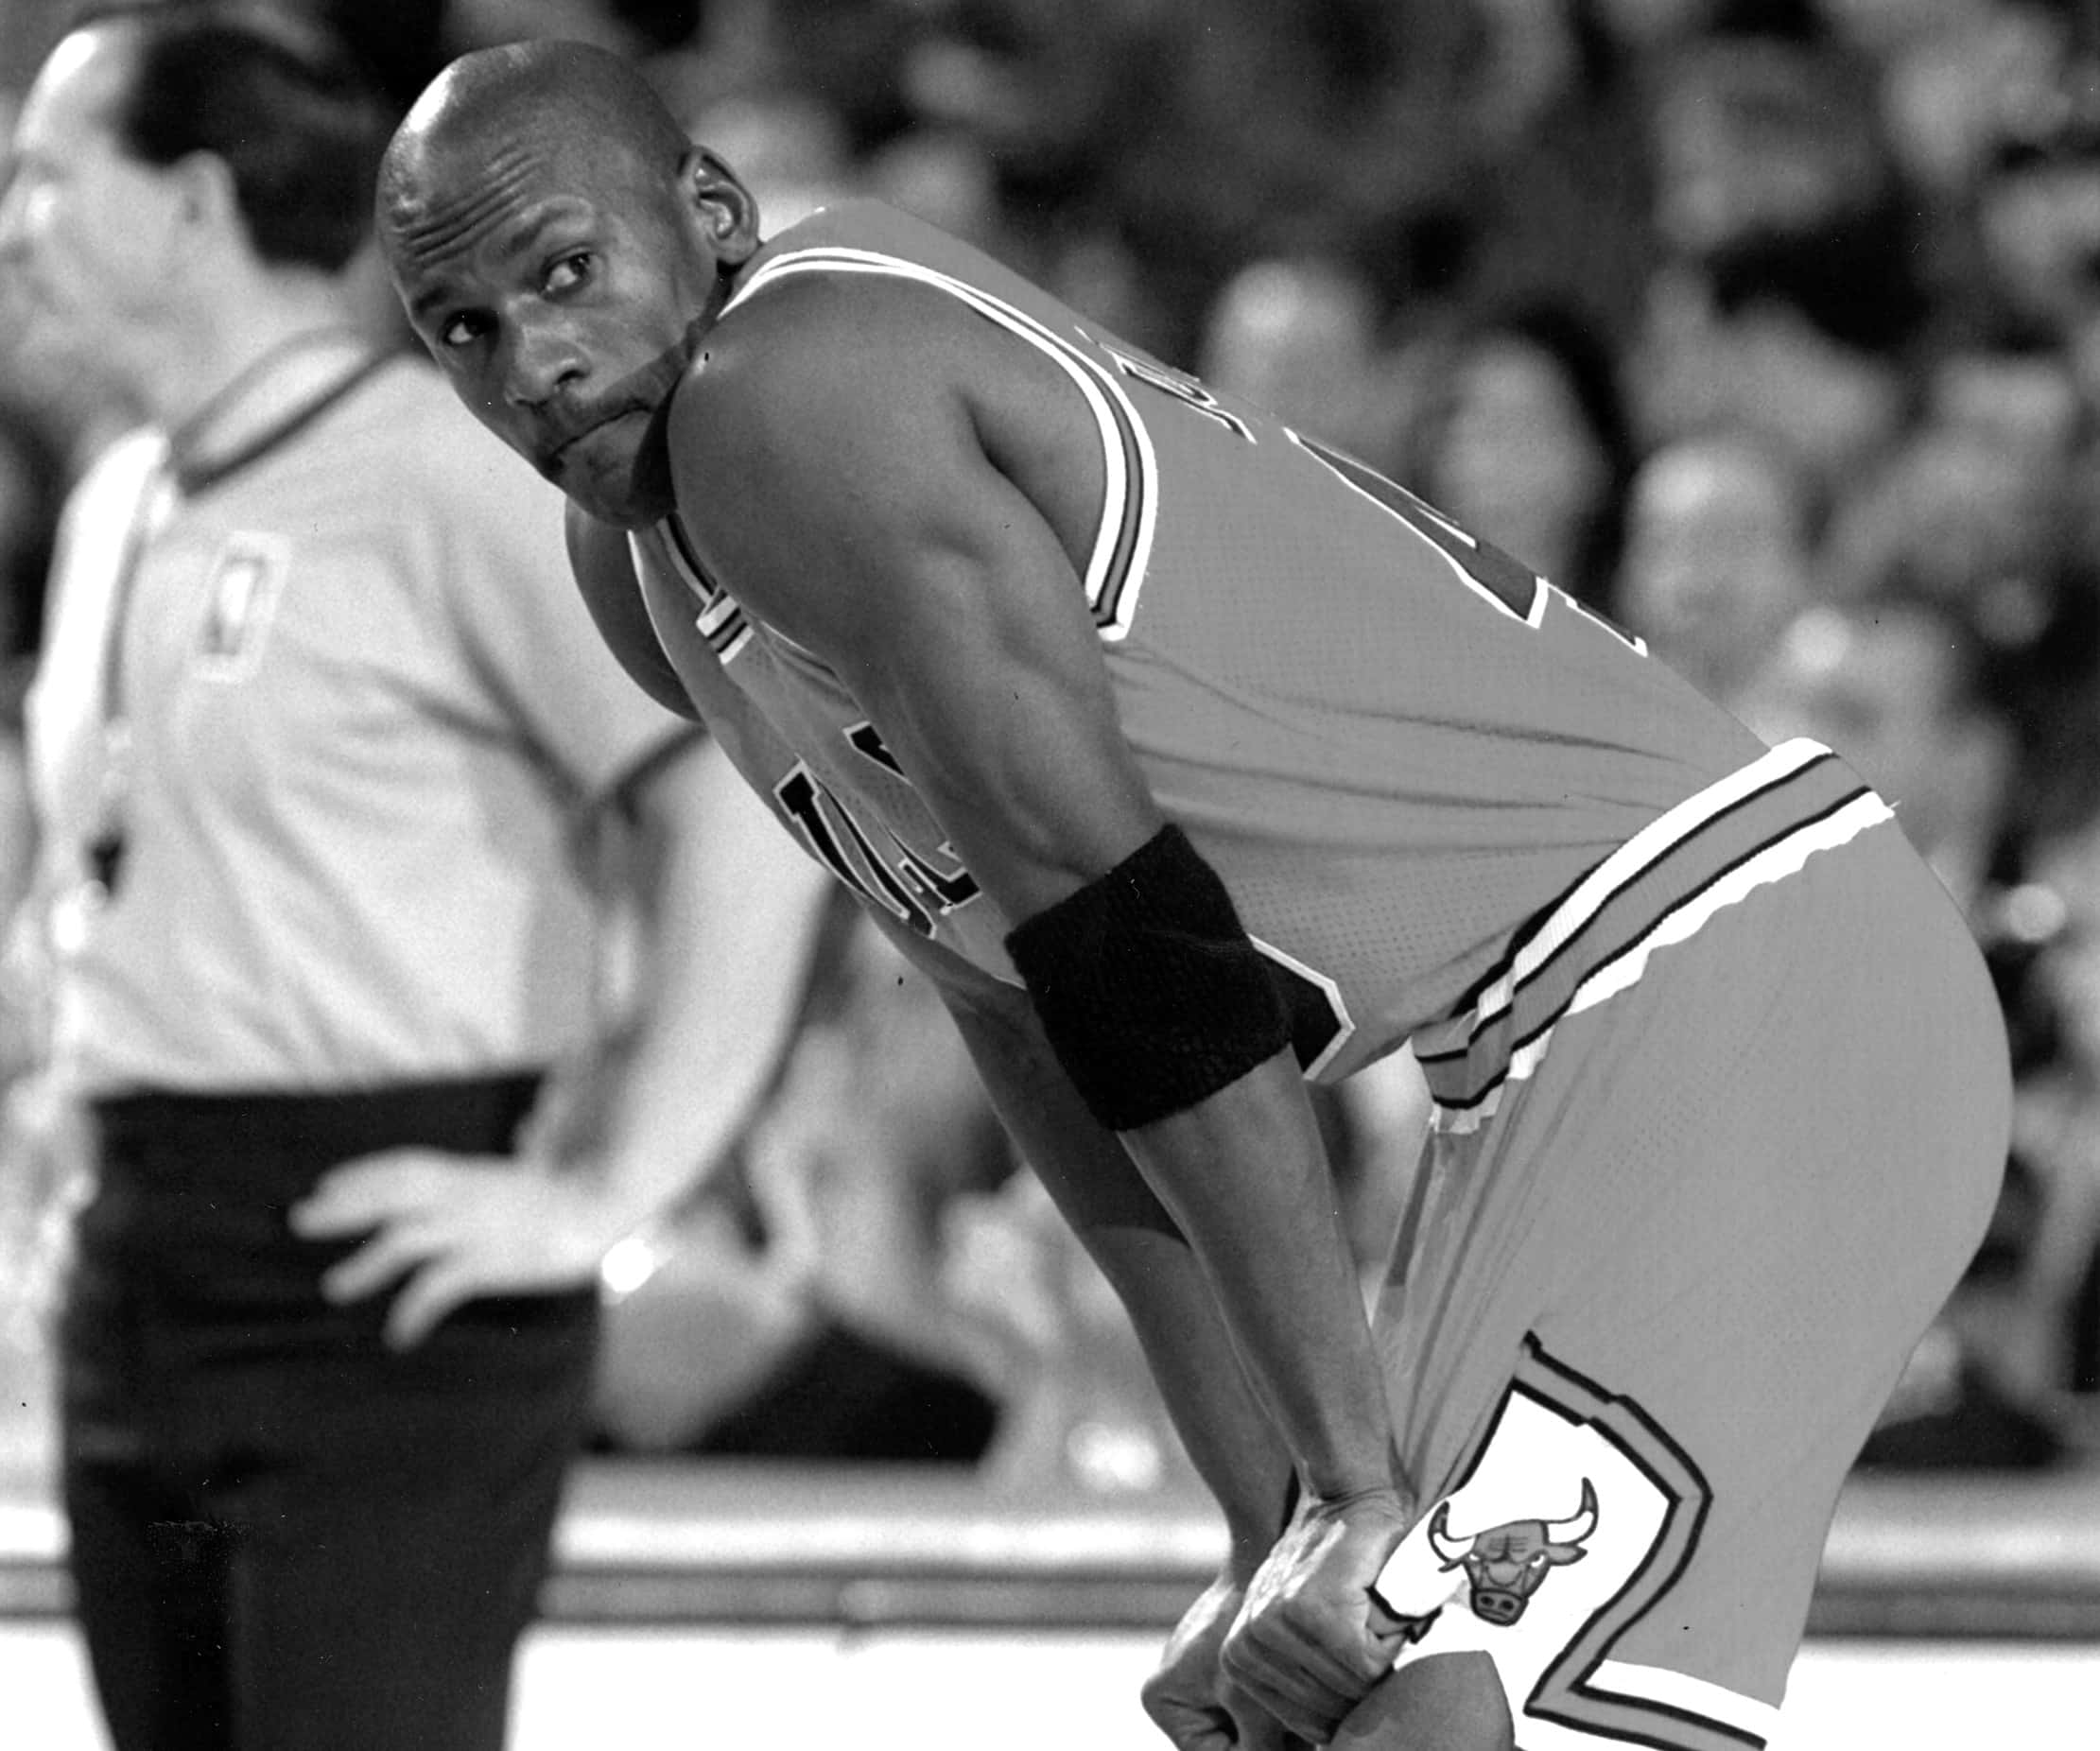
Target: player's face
[[564, 301], [85, 228]]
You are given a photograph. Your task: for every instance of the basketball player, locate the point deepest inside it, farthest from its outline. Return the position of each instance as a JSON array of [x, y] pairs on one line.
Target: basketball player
[[1192, 759]]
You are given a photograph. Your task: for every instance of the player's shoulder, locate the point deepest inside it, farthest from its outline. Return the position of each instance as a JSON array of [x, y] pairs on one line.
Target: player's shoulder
[[602, 561], [843, 299], [599, 553]]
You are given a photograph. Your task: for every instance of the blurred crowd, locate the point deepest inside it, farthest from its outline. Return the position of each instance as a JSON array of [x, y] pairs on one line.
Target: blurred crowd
[[1771, 328]]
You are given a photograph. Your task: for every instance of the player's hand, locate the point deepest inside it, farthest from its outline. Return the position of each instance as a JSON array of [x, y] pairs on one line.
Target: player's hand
[[1312, 1637], [450, 1228], [1191, 1699]]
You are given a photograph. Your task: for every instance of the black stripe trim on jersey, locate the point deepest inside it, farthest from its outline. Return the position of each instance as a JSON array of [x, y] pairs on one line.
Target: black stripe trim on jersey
[[1539, 923], [1108, 600], [1122, 538], [1462, 1078], [723, 620], [1690, 839], [1544, 1025], [675, 525]]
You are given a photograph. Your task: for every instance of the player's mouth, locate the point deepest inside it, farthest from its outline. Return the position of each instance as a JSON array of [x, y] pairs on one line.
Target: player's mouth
[[584, 439]]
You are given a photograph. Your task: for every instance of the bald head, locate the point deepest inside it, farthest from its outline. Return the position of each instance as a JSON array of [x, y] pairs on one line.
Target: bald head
[[568, 102], [560, 246]]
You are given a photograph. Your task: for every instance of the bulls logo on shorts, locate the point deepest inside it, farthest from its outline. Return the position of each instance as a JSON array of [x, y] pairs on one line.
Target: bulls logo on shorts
[[1568, 1525], [1507, 1564]]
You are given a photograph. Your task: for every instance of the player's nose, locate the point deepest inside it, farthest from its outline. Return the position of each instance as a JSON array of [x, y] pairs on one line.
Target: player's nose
[[543, 359]]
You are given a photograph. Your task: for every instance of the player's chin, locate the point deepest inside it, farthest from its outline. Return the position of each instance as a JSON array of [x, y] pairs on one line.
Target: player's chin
[[628, 487], [619, 497]]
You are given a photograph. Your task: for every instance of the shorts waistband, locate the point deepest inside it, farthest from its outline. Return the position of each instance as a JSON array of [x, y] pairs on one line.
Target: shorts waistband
[[1757, 826]]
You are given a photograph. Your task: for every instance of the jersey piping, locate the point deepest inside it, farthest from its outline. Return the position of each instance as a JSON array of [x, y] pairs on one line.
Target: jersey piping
[[1130, 497], [1757, 826], [721, 619]]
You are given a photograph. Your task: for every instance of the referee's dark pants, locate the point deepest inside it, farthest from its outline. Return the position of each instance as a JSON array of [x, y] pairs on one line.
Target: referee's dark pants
[[285, 1536]]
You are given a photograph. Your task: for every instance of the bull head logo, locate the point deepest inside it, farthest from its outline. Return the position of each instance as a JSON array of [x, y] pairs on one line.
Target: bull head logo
[[1505, 1565]]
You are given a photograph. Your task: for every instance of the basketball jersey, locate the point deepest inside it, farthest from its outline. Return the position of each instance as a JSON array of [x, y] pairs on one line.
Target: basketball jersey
[[1396, 743]]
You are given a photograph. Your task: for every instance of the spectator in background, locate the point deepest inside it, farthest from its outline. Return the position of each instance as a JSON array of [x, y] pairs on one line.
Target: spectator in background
[[1718, 557], [1523, 437], [1899, 685], [848, 56], [800, 1309], [792, 147], [2036, 210], [322, 738], [1137, 121], [943, 177], [1558, 208], [1787, 298], [1300, 337], [1951, 75], [2054, 1350]]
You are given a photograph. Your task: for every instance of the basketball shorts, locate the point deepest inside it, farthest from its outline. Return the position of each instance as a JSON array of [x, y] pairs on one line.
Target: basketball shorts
[[1705, 1161]]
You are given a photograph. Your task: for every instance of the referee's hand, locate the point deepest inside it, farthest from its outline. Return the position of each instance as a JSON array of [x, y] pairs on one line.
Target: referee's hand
[[450, 1228]]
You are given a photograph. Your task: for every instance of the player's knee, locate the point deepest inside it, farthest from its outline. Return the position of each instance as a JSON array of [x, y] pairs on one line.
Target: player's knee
[[1448, 1701]]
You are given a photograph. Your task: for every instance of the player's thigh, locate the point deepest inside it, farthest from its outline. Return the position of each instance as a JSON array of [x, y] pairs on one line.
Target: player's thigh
[[1730, 1202], [1772, 1280]]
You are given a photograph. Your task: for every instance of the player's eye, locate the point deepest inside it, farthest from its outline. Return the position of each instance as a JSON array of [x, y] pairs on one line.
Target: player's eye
[[569, 271], [463, 329]]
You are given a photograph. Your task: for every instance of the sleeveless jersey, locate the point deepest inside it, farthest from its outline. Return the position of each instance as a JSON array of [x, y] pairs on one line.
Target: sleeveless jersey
[[1396, 744]]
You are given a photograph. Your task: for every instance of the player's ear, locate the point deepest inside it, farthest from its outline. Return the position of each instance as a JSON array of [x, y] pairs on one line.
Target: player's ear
[[725, 210]]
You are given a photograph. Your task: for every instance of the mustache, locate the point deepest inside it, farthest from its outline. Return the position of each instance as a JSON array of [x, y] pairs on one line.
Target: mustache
[[645, 390], [560, 428]]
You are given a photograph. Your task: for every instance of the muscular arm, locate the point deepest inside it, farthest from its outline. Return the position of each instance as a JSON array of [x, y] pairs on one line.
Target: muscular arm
[[892, 488], [1129, 1234], [604, 573]]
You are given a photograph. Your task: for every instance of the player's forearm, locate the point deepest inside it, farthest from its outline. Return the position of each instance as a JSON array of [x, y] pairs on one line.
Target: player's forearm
[[1247, 1176], [1166, 1018], [1147, 1260]]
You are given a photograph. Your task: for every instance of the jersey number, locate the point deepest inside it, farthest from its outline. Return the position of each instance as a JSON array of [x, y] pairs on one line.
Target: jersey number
[[1506, 584], [915, 889], [919, 892]]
